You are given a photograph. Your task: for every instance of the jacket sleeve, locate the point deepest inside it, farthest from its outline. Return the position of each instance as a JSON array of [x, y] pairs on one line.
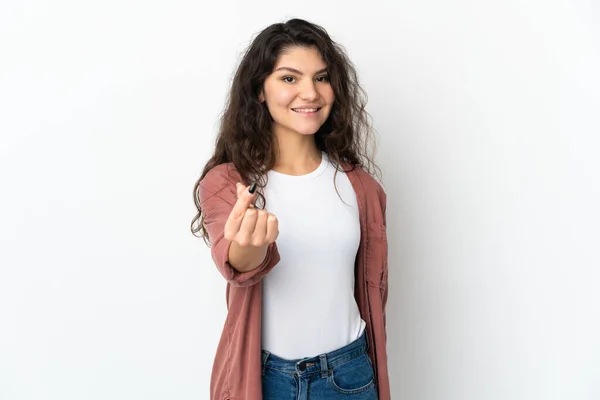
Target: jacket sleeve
[[384, 283], [217, 195]]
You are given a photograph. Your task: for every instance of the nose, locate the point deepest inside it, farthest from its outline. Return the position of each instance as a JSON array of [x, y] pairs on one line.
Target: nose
[[308, 91]]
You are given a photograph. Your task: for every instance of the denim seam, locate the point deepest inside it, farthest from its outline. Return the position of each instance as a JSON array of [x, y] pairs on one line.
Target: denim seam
[[280, 370], [346, 358], [330, 365]]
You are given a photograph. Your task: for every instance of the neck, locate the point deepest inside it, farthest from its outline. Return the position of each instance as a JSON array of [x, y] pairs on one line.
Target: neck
[[296, 154]]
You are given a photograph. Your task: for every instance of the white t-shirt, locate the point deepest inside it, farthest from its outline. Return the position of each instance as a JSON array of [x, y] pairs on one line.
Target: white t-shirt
[[308, 305]]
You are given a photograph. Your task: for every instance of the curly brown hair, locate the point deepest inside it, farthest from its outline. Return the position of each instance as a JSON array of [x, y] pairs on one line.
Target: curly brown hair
[[245, 137]]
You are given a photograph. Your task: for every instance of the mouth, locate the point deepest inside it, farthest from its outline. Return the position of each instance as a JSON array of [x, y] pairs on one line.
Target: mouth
[[306, 111]]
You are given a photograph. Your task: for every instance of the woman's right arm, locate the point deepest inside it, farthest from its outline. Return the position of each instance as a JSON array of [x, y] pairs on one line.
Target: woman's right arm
[[250, 231], [242, 238], [246, 258]]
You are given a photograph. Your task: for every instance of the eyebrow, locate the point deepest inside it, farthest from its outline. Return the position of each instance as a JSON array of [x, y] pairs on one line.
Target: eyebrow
[[298, 72]]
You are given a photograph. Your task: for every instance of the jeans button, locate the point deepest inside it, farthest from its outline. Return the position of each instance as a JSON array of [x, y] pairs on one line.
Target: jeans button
[[302, 366]]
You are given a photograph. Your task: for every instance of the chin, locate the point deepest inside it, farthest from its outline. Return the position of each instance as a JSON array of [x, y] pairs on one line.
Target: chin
[[306, 130], [301, 129]]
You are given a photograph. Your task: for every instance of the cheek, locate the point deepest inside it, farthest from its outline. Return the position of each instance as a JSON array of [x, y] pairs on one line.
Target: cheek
[[278, 95], [327, 94], [283, 97]]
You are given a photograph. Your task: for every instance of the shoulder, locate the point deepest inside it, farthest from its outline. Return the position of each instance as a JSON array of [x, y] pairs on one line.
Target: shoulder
[[219, 181], [372, 188], [370, 183], [221, 175]]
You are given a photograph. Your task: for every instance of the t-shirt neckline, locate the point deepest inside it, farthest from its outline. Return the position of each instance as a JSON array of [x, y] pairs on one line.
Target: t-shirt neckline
[[311, 174]]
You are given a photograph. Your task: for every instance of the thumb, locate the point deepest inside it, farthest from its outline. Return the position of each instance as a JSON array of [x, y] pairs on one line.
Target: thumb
[[240, 189]]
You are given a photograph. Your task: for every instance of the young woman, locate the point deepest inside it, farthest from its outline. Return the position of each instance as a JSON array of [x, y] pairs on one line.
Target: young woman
[[295, 219]]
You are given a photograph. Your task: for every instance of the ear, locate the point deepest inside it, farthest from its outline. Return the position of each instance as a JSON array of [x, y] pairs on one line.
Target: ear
[[261, 93]]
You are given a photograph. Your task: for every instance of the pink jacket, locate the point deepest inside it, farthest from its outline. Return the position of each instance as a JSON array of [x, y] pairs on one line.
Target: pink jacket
[[236, 372]]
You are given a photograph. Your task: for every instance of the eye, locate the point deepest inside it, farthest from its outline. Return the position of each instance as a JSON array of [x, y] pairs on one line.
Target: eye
[[324, 78], [288, 79]]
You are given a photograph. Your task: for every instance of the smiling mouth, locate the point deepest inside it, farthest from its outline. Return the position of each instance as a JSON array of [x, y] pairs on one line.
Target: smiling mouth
[[306, 110]]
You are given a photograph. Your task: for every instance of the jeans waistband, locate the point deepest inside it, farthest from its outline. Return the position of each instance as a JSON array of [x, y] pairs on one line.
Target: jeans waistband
[[321, 363]]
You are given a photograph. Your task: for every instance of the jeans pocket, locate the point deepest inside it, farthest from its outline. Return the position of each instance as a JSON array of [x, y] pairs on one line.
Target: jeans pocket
[[354, 376]]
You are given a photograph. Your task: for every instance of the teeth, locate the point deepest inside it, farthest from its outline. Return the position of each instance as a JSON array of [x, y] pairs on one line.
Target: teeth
[[305, 109]]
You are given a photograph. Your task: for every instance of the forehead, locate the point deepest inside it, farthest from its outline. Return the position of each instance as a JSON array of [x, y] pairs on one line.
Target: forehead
[[301, 58]]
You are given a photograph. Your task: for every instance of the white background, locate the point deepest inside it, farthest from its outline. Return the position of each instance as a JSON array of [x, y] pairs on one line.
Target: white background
[[488, 121]]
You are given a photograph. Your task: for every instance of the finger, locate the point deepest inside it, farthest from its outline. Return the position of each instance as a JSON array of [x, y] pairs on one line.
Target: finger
[[236, 215], [272, 228], [244, 235], [234, 220], [260, 229], [240, 189], [245, 198]]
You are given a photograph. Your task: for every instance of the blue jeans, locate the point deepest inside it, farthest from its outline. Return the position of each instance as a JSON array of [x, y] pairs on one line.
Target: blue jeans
[[346, 373]]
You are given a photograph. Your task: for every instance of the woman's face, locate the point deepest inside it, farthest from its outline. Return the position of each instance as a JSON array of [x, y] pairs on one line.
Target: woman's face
[[298, 93]]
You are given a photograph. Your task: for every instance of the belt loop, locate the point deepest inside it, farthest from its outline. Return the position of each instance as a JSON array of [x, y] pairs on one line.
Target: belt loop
[[265, 356], [324, 367]]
